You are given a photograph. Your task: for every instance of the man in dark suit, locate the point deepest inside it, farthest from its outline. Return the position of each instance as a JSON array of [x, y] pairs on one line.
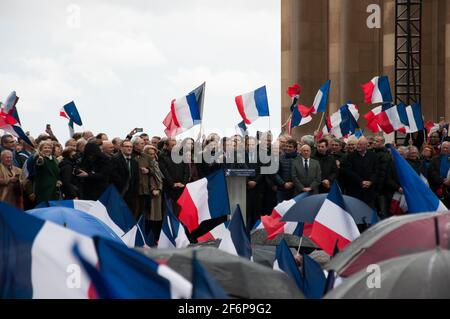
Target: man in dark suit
[[361, 171], [328, 167], [306, 172], [176, 175], [125, 174]]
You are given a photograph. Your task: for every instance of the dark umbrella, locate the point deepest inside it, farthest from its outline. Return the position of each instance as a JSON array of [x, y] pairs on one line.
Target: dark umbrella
[[415, 276], [306, 209], [390, 238], [239, 277]]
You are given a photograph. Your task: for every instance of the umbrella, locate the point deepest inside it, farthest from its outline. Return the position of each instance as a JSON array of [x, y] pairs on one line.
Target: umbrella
[[259, 237], [239, 277], [306, 209], [415, 276], [390, 238], [75, 220]]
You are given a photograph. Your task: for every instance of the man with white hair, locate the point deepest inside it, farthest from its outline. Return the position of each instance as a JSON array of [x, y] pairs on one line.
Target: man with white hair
[[306, 172], [108, 148], [10, 187], [361, 173]]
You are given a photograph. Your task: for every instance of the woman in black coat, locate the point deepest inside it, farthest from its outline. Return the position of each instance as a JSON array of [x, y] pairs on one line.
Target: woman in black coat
[[69, 186], [94, 172]]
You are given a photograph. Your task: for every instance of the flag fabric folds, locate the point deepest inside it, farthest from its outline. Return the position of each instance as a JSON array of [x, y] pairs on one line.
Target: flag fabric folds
[[273, 224], [172, 234], [321, 100], [419, 197], [253, 105], [237, 241], [285, 262], [185, 112], [377, 90], [204, 199], [344, 122], [37, 260], [333, 223]]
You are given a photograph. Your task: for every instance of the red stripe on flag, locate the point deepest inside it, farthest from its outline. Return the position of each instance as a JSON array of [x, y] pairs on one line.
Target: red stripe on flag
[[240, 106], [205, 237], [174, 115], [63, 114], [368, 91], [189, 213], [326, 238], [385, 123], [273, 224]]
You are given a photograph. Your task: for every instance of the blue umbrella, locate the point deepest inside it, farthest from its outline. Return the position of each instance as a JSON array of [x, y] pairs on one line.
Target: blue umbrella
[[306, 209], [75, 220]]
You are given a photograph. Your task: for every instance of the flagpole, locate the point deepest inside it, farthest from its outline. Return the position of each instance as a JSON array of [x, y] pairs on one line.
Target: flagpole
[[321, 120], [299, 245]]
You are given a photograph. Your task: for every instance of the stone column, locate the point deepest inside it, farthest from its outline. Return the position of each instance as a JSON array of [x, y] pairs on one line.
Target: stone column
[[304, 53]]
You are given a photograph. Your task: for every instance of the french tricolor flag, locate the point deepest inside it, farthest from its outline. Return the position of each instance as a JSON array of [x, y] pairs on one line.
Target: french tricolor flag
[[300, 116], [173, 234], [285, 262], [236, 240], [344, 122], [385, 117], [377, 90], [37, 260], [253, 105], [333, 224], [204, 199], [411, 117], [185, 112], [273, 224], [321, 100], [123, 273]]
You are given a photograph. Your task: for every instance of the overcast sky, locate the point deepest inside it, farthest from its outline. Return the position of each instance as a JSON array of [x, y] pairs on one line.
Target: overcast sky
[[126, 60]]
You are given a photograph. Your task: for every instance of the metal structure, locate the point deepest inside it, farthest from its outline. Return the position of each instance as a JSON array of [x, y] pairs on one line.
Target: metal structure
[[408, 25]]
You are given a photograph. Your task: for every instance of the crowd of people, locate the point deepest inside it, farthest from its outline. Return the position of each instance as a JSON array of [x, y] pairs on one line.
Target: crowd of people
[[145, 172]]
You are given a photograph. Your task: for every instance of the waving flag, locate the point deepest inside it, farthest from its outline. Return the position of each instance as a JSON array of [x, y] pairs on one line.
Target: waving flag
[[314, 278], [172, 234], [204, 199], [411, 117], [294, 93], [70, 112], [377, 90], [9, 118], [274, 225], [321, 100], [285, 262], [253, 105], [185, 112], [419, 197], [218, 232], [36, 258], [241, 128], [129, 274], [128, 232], [385, 117], [344, 122], [203, 285], [333, 223], [237, 240], [117, 209], [300, 116]]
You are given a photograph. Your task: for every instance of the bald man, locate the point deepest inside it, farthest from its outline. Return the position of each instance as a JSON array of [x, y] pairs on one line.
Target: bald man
[[361, 173], [306, 172]]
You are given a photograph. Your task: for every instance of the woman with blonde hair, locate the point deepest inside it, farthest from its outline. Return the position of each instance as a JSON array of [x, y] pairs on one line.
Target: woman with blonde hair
[[46, 181]]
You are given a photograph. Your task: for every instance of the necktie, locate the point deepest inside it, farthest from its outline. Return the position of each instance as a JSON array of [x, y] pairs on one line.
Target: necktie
[[129, 163], [306, 166]]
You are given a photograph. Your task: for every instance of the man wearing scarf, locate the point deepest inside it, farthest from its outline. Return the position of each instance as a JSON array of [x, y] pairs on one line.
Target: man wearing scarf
[[283, 178]]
